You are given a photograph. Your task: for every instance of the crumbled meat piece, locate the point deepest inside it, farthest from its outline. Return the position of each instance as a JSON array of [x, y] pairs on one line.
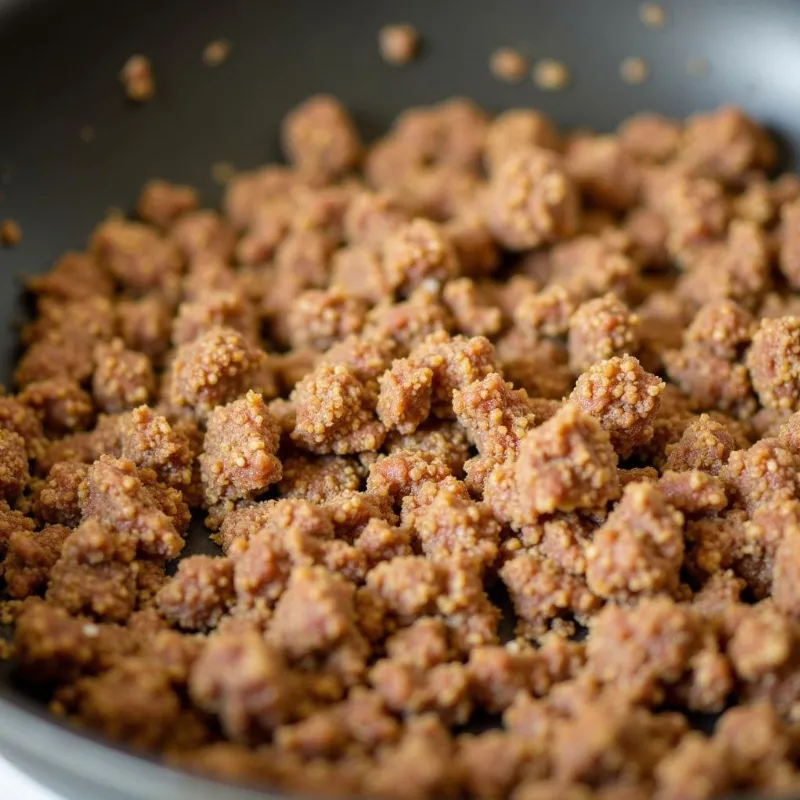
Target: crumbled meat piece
[[508, 65], [246, 683], [238, 458], [320, 139], [398, 43], [566, 463], [773, 362], [545, 313], [604, 170], [30, 559], [531, 200], [623, 398], [10, 233], [228, 309], [161, 203], [216, 368], [639, 548], [320, 318], [14, 474], [199, 594], [62, 405], [115, 495], [722, 327], [144, 325], [651, 137], [704, 445], [137, 256], [601, 329], [319, 479], [122, 378], [137, 79], [693, 491]]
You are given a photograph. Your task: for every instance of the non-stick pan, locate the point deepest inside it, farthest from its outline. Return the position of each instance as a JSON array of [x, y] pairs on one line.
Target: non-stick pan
[[59, 65]]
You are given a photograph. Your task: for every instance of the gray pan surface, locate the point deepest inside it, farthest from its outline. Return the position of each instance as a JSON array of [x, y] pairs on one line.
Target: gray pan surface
[[59, 62]]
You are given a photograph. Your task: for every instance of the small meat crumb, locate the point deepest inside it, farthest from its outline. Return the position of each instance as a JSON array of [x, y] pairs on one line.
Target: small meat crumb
[[652, 15], [551, 75], [398, 43], [137, 78], [216, 52], [508, 65], [10, 233], [634, 70]]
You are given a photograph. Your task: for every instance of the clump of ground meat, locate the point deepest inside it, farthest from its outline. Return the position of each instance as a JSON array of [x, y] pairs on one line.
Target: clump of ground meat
[[464, 464]]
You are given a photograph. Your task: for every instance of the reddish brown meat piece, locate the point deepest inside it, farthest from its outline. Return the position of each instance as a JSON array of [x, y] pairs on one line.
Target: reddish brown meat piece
[[14, 474], [75, 276], [722, 327], [605, 171], [199, 594], [773, 363], [645, 647], [246, 683], [115, 495], [761, 473], [416, 253], [724, 145], [137, 256], [203, 234], [704, 445], [211, 309], [565, 464], [30, 559], [545, 313], [650, 137], [601, 329], [471, 315], [122, 379], [335, 412], [216, 368], [623, 398], [161, 203], [531, 200], [320, 139], [144, 324], [315, 618], [61, 404], [238, 458], [518, 129], [320, 318], [447, 441], [20, 419], [639, 548], [55, 499], [319, 479]]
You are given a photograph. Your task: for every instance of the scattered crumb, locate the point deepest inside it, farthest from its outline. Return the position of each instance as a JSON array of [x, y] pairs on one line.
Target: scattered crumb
[[398, 43], [222, 172], [508, 65], [10, 233], [634, 70], [698, 67], [550, 75], [86, 133], [137, 78], [216, 52], [652, 15]]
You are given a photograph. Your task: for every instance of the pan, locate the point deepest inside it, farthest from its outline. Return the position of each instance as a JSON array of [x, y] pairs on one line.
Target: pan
[[71, 147]]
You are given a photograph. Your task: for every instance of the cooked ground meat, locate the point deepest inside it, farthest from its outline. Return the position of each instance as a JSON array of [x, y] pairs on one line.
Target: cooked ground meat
[[499, 432]]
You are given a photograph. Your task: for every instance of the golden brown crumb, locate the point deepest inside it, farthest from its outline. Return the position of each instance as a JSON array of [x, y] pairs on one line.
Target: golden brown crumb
[[508, 65], [10, 233], [652, 15], [634, 70], [216, 52], [137, 79], [398, 43], [551, 75]]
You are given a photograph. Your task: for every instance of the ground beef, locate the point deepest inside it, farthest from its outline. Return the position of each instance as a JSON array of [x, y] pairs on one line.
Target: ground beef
[[496, 437]]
